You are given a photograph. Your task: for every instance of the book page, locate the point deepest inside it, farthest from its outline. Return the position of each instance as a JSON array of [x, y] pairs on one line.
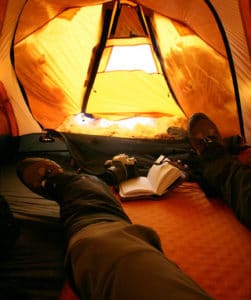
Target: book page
[[168, 179], [156, 172], [162, 176], [135, 187]]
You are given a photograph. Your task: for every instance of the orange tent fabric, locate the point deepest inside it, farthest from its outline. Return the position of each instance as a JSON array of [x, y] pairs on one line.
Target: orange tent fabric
[[8, 120]]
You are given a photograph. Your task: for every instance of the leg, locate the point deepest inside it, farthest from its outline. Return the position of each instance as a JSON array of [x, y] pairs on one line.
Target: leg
[[232, 181], [84, 200], [124, 261], [108, 257], [222, 174]]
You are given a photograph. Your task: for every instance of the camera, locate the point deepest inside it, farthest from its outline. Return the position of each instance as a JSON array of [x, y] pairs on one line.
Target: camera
[[121, 167]]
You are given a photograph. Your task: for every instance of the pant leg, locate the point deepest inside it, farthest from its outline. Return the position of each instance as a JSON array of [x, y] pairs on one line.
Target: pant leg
[[84, 200], [117, 260], [109, 257], [230, 179]]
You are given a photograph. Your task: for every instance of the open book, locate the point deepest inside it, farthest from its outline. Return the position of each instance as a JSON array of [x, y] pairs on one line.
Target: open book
[[161, 176]]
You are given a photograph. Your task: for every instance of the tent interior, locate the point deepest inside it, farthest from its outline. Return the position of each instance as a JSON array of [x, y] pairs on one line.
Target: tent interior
[[121, 60], [58, 79], [84, 80]]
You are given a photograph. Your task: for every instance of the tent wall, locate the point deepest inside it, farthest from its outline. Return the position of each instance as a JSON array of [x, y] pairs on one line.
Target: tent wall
[[193, 13], [201, 78], [53, 63], [245, 9], [8, 124], [230, 16], [25, 120]]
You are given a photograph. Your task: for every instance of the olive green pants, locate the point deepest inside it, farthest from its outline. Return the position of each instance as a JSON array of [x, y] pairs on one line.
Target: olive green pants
[[108, 257]]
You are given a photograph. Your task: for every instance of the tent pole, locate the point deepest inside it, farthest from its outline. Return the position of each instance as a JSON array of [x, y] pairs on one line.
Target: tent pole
[[108, 27]]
